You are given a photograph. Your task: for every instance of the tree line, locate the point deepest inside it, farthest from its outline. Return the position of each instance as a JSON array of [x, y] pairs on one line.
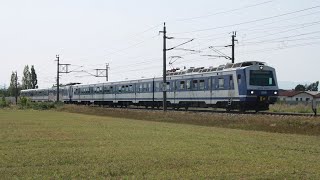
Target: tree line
[[29, 81], [307, 87]]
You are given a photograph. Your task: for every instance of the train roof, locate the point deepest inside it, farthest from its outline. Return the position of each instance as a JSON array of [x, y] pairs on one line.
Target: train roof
[[227, 66], [175, 72]]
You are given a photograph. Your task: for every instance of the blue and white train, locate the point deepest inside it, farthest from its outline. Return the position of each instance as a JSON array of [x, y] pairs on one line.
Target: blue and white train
[[244, 86]]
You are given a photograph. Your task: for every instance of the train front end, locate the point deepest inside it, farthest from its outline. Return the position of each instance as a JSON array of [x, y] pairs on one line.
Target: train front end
[[261, 88]]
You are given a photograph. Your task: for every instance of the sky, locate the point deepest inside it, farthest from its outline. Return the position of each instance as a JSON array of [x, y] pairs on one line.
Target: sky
[[88, 34]]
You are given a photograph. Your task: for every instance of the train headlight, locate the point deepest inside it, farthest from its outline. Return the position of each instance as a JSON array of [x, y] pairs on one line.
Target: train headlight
[[252, 92], [261, 67], [275, 93]]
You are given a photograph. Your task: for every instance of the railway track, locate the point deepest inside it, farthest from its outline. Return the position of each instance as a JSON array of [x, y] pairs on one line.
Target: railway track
[[208, 110]]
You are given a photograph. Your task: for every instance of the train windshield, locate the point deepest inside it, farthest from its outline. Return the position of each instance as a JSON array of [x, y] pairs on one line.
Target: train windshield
[[261, 78]]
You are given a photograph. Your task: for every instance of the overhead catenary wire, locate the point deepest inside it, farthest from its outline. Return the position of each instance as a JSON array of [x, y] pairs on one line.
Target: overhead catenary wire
[[225, 12], [250, 29], [280, 32], [281, 48], [252, 21]]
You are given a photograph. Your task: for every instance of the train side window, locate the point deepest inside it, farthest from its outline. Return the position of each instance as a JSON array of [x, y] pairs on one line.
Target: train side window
[[201, 84], [231, 82], [130, 88], [174, 85], [195, 84], [144, 88], [150, 87], [221, 83], [111, 89], [108, 90], [213, 83], [209, 83], [182, 85], [239, 79], [157, 88], [188, 84], [168, 86], [140, 87]]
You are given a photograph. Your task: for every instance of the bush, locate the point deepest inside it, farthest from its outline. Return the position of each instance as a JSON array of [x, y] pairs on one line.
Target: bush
[[3, 102], [26, 103]]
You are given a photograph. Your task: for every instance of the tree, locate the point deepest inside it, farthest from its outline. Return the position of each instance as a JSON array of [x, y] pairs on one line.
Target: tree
[[13, 82], [33, 78], [26, 83], [3, 92], [300, 87], [313, 86]]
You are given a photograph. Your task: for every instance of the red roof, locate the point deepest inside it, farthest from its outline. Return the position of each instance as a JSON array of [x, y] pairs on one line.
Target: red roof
[[291, 93]]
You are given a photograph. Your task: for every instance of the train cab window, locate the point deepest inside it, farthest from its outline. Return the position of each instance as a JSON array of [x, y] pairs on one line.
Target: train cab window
[[195, 84], [201, 84], [182, 85], [188, 84], [261, 78], [239, 79], [221, 83]]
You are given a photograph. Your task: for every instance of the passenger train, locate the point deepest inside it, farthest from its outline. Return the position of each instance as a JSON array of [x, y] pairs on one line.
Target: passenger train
[[250, 85]]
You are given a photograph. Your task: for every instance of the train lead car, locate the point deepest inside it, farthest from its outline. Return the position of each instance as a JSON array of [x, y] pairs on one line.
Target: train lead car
[[250, 85]]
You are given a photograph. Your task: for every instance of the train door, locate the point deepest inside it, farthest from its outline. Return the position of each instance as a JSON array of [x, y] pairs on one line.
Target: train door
[[70, 92], [174, 88], [210, 89]]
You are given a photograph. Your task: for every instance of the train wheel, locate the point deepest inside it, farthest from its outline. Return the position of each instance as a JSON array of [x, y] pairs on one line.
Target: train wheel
[[242, 109]]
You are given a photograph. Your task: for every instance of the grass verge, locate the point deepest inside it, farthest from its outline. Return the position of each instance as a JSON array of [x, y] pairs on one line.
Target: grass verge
[[268, 123], [60, 145], [292, 108]]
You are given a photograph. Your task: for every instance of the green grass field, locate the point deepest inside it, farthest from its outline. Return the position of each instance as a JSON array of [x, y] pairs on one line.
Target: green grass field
[[50, 144]]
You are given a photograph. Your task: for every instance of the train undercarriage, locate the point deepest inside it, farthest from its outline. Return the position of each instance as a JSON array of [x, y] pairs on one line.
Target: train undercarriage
[[227, 105]]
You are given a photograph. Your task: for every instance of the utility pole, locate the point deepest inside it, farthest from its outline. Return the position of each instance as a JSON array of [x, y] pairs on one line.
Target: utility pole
[[58, 73], [64, 69], [164, 68], [103, 72], [107, 73], [16, 87], [165, 63], [234, 34]]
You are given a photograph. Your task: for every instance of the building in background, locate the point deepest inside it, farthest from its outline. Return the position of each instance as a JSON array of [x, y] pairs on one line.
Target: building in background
[[293, 97]]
